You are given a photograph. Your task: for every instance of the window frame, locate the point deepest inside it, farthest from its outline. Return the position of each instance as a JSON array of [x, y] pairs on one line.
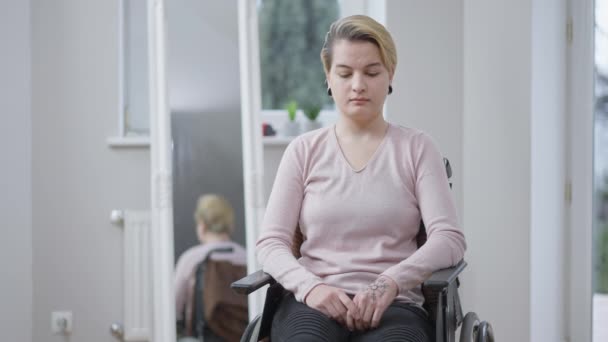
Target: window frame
[[579, 189]]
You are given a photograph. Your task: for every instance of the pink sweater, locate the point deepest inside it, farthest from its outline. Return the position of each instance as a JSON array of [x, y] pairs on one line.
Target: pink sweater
[[187, 264], [360, 224]]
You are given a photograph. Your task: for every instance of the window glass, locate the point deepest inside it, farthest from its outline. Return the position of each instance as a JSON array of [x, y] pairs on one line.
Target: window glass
[[291, 36]]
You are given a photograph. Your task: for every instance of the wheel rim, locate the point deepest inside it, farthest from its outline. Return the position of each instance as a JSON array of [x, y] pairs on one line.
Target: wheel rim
[[470, 328]]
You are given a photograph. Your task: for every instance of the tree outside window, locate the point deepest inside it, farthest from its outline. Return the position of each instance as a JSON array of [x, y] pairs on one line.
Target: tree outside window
[[600, 222], [291, 36]]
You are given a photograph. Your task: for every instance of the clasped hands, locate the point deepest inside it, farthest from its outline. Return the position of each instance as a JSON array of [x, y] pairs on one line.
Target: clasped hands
[[361, 313]]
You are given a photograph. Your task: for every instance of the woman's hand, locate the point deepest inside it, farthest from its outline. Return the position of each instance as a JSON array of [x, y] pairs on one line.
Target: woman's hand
[[373, 301], [334, 303]]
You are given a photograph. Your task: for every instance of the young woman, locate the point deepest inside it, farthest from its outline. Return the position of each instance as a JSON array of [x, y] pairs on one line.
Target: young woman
[[358, 191]]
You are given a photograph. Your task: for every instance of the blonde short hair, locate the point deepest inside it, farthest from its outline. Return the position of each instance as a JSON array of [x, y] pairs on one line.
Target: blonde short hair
[[360, 28], [216, 213]]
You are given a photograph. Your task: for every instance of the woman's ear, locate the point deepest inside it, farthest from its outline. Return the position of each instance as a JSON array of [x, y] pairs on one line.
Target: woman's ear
[[327, 79], [200, 230]]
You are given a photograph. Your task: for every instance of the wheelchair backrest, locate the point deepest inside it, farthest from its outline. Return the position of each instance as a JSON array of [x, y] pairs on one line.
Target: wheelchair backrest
[[217, 311]]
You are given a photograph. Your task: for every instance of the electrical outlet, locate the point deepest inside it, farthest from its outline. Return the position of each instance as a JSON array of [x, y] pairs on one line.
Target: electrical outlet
[[61, 322]]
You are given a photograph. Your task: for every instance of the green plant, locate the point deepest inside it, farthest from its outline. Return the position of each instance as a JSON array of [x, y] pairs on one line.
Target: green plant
[[292, 108], [312, 112]]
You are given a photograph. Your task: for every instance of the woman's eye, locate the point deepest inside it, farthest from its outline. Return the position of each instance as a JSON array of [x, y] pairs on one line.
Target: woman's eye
[[373, 74], [344, 75]]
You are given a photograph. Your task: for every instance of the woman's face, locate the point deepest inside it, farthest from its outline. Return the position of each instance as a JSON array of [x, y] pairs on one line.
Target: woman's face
[[358, 79]]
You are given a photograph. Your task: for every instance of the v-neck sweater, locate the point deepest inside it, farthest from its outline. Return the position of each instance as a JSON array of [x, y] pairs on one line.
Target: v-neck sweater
[[358, 225]]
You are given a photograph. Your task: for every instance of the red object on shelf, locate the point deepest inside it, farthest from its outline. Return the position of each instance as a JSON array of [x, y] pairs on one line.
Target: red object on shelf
[[268, 130]]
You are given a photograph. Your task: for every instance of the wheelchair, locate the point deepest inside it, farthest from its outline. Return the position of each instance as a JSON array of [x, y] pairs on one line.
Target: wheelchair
[[441, 300], [216, 314]]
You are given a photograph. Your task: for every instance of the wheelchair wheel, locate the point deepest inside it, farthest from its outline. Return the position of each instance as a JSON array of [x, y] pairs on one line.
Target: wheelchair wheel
[[470, 328], [253, 330], [485, 332]]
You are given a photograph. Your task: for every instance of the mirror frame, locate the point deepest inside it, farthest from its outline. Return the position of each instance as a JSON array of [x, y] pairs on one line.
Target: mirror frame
[[161, 214], [253, 151], [162, 263]]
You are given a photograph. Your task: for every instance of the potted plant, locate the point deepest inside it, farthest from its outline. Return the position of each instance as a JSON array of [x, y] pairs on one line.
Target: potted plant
[[291, 127], [312, 113]]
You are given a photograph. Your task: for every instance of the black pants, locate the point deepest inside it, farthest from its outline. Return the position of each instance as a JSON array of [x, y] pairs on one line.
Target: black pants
[[294, 322]]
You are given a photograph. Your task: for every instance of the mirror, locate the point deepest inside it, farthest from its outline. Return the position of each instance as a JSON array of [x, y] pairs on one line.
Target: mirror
[[205, 105], [204, 99]]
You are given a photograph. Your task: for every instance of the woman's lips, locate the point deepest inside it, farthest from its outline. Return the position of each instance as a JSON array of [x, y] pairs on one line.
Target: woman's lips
[[359, 100]]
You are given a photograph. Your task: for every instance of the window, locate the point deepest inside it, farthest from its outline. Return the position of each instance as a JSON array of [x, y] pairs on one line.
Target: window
[[291, 36], [134, 116], [133, 107]]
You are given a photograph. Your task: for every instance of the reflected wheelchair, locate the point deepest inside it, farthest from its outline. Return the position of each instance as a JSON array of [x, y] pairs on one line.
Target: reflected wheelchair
[[441, 300], [213, 313]]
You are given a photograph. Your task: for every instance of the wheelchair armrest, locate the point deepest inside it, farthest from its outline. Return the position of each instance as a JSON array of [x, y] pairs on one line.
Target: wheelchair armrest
[[442, 278], [252, 282]]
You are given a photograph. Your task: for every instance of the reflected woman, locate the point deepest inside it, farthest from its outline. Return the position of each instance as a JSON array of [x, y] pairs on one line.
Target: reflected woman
[[358, 191], [214, 217]]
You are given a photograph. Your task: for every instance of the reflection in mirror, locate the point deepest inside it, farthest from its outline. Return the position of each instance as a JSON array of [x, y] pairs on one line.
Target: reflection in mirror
[[207, 158], [209, 234]]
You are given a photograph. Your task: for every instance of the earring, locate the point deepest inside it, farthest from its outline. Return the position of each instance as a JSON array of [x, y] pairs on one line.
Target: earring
[[329, 92], [390, 89]]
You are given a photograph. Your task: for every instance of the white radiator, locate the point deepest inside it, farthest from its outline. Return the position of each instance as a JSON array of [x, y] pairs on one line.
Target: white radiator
[[136, 274]]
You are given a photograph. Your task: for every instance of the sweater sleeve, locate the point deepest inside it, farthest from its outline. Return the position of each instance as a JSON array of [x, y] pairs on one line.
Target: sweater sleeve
[[274, 246], [180, 284], [445, 245]]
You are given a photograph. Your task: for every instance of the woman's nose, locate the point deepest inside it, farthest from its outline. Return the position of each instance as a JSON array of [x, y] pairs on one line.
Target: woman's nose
[[358, 84]]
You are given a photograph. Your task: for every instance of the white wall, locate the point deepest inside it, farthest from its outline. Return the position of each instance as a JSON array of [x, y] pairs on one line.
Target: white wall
[[491, 92], [15, 173], [497, 163], [427, 87], [514, 165], [76, 178]]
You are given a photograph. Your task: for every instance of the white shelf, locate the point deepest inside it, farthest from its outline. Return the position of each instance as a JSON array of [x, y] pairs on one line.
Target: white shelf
[[277, 141], [144, 142], [129, 142]]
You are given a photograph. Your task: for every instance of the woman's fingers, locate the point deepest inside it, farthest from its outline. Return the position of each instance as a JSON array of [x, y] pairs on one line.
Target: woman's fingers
[[362, 305], [339, 311], [350, 321], [361, 313], [349, 305], [358, 320], [368, 311], [330, 311], [376, 317]]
